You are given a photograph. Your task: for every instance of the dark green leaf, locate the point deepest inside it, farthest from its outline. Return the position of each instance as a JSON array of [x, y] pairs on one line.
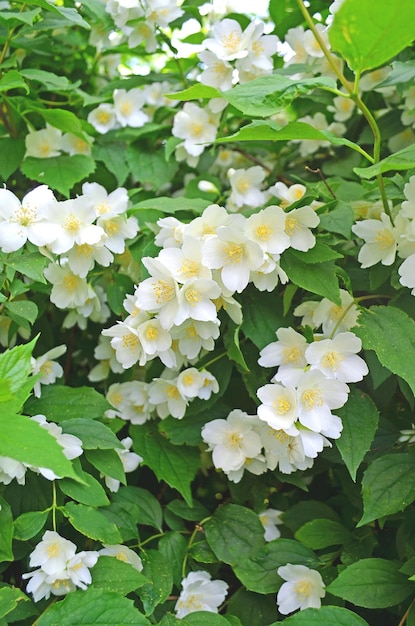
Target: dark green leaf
[[107, 462], [338, 220], [11, 155], [29, 524], [22, 309], [360, 419], [325, 615], [148, 508], [113, 157], [322, 533], [51, 81], [319, 278], [231, 341], [10, 597], [150, 168], [383, 584], [61, 403], [90, 493], [93, 434], [158, 571], [112, 574], [92, 523]]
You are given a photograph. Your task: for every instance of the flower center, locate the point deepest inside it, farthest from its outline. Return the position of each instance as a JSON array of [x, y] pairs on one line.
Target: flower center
[[312, 398]]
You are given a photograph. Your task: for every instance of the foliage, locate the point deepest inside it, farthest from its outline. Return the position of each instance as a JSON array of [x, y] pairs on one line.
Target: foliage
[[206, 313]]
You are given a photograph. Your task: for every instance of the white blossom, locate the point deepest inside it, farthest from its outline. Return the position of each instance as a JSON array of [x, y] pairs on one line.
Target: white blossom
[[200, 593], [304, 588]]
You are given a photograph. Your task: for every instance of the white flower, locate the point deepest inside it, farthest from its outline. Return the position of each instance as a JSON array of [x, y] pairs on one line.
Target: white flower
[[332, 316], [210, 385], [126, 342], [245, 185], [48, 369], [289, 353], [279, 406], [380, 241], [103, 118], [52, 553], [317, 395], [130, 399], [228, 41], [69, 290], [200, 593], [284, 451], [189, 382], [78, 568], [297, 226], [304, 588], [270, 519], [127, 107], [218, 73], [124, 554], [28, 220], [10, 468], [407, 273], [129, 460], [232, 441], [193, 336], [159, 292], [337, 357], [76, 145], [288, 195], [45, 143], [75, 218], [82, 258], [195, 301], [166, 397], [268, 229], [41, 585], [194, 125]]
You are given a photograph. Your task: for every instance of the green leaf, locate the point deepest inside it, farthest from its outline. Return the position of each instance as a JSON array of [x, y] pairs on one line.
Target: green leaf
[[113, 157], [15, 365], [6, 531], [372, 583], [13, 80], [262, 316], [368, 35], [268, 130], [231, 342], [323, 616], [195, 92], [91, 492], [269, 94], [302, 512], [171, 205], [10, 597], [149, 511], [112, 574], [107, 462], [177, 466], [29, 524], [61, 403], [11, 155], [93, 606], [402, 72], [25, 17], [92, 433], [322, 533], [319, 278], [52, 82], [23, 309], [23, 439], [158, 572], [119, 286], [318, 254], [338, 220], [402, 160], [258, 572], [391, 334], [173, 548], [92, 523], [360, 419], [60, 173], [253, 609], [388, 486], [193, 514], [150, 168], [29, 264], [234, 533]]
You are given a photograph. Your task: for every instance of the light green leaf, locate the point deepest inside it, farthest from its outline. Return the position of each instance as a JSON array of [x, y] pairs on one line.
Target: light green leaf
[[23, 439], [113, 157], [269, 94], [159, 573], [23, 309], [13, 80], [391, 334], [268, 130], [6, 531], [338, 220], [29, 264], [93, 606], [171, 205], [11, 155], [318, 254], [15, 365], [388, 486], [368, 35], [61, 403], [322, 533], [231, 342], [195, 92], [323, 616], [25, 17], [360, 419], [258, 572], [51, 81], [29, 524], [60, 173], [92, 523], [372, 583], [10, 597], [234, 533], [91, 492], [177, 466], [319, 278], [402, 160], [112, 574], [402, 72]]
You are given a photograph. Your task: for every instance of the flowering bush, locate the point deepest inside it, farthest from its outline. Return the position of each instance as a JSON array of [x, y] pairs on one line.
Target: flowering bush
[[207, 244]]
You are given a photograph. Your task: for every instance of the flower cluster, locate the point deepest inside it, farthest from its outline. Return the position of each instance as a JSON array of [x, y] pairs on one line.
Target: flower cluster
[[60, 568], [49, 142], [295, 418], [387, 236]]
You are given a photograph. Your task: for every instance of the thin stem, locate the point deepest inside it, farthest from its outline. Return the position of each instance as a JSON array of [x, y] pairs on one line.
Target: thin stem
[[405, 615], [323, 178], [198, 529]]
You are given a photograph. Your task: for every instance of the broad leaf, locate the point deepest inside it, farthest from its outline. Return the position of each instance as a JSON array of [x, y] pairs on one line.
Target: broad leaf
[[323, 616], [158, 572], [10, 597], [322, 533], [61, 403], [6, 531], [92, 523], [402, 160], [388, 486], [11, 155], [360, 419], [93, 434], [319, 278], [29, 524], [368, 35], [60, 173], [372, 583], [112, 574]]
